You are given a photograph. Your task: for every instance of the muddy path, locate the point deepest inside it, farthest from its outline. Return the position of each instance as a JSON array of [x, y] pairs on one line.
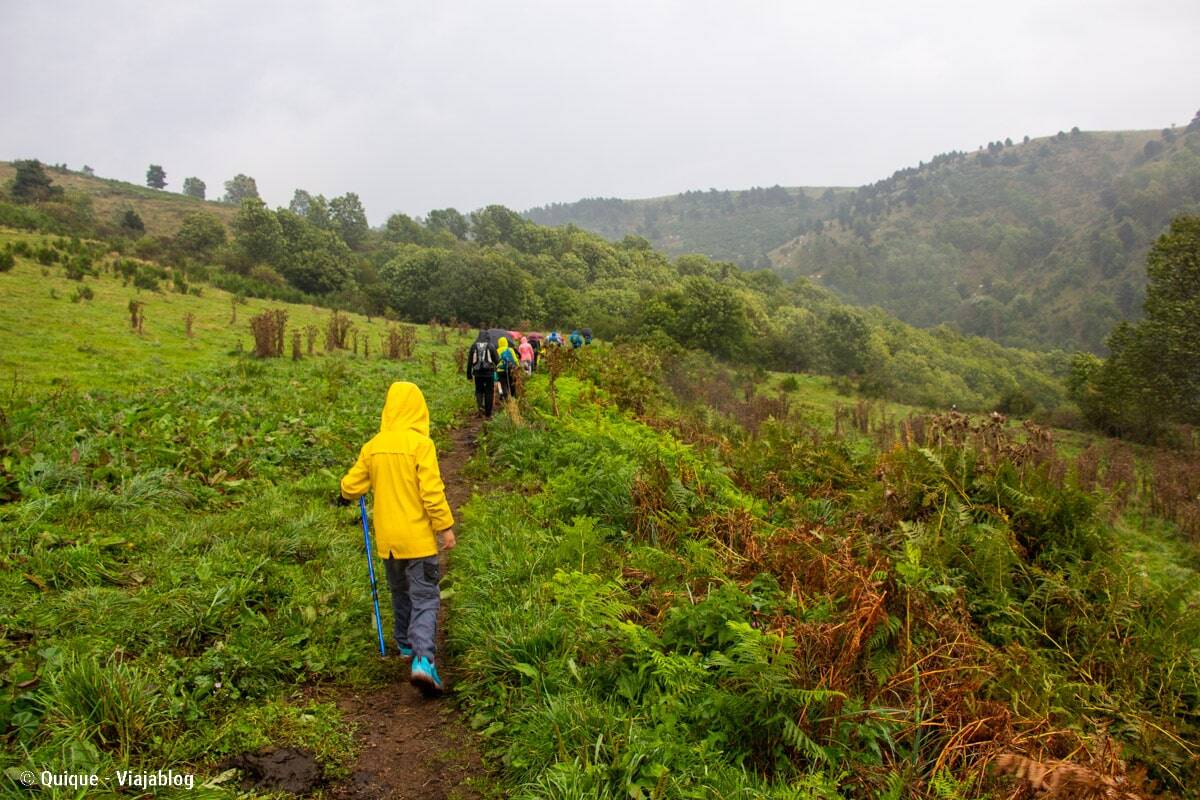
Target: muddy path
[[409, 746]]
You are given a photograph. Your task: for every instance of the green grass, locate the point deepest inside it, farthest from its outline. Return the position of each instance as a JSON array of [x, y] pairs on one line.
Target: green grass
[[637, 616], [51, 341], [173, 573]]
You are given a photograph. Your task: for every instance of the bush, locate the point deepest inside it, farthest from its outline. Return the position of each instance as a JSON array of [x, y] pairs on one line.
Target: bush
[[26, 218], [1016, 402], [7, 259], [267, 275]]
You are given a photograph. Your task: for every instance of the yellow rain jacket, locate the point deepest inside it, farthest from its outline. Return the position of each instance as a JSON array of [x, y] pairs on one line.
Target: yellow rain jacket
[[400, 464]]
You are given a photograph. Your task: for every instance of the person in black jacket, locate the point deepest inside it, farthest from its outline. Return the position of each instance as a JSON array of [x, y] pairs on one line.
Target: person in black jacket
[[481, 366]]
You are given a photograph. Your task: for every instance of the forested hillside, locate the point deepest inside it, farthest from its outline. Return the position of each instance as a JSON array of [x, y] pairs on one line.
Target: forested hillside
[[1035, 244], [1039, 243], [495, 267], [738, 226]]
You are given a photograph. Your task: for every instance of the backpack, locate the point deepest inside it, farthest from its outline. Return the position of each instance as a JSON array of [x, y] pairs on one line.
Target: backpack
[[483, 356]]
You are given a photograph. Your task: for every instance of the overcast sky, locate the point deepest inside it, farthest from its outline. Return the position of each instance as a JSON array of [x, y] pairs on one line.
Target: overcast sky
[[420, 105]]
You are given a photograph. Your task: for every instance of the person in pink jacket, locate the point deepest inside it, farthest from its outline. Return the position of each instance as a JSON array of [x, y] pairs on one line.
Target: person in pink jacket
[[526, 353]]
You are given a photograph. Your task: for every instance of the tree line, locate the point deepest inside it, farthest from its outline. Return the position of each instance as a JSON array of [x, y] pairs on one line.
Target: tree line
[[495, 267]]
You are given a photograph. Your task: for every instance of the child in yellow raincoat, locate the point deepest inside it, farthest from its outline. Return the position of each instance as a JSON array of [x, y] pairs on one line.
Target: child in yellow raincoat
[[400, 465]]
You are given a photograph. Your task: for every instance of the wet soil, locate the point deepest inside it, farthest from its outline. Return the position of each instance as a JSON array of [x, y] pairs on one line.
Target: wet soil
[[411, 746]]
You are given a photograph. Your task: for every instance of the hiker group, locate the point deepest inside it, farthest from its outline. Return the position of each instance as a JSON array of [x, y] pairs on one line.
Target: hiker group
[[497, 368], [412, 518]]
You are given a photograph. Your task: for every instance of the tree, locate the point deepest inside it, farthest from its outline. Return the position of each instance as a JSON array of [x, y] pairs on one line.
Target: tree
[[301, 203], [448, 219], [156, 178], [314, 208], [200, 234], [88, 171], [712, 317], [497, 225], [132, 223], [239, 188], [847, 342], [349, 219], [403, 229], [194, 187], [31, 184], [1152, 375], [311, 259], [257, 232]]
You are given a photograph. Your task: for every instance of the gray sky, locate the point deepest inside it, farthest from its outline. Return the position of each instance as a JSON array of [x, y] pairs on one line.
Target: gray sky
[[420, 105]]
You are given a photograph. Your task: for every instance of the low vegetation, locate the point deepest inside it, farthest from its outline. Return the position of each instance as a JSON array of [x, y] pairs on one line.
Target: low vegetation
[[173, 573], [685, 602], [676, 579]]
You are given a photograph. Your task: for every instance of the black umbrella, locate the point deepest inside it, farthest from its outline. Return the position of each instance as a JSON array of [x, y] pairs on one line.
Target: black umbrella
[[493, 335]]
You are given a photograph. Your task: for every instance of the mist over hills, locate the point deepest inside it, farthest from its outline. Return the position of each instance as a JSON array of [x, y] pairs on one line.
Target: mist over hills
[[1037, 244]]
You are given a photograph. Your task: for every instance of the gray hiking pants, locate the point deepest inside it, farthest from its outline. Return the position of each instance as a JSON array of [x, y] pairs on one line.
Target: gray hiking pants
[[413, 583]]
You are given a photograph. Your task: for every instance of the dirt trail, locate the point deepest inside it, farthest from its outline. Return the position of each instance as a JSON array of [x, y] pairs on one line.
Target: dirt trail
[[411, 747]]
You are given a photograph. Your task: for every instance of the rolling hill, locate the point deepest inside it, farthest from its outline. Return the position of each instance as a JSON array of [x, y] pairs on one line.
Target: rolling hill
[[106, 200], [1035, 244], [739, 226]]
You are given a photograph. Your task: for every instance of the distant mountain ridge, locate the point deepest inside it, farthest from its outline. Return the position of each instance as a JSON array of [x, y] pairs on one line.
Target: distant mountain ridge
[[1035, 244], [739, 226]]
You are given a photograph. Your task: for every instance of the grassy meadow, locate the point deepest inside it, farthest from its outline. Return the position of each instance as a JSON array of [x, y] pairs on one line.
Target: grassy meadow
[[173, 573]]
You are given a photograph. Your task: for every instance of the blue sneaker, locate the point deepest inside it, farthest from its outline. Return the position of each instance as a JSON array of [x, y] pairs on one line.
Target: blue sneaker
[[425, 677], [405, 652]]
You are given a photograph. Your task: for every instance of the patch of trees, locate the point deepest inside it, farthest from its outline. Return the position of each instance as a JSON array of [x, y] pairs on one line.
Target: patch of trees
[[1151, 378], [345, 215]]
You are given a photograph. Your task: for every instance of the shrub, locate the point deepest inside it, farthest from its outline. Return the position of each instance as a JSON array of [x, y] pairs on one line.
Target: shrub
[[268, 329], [336, 331], [144, 279], [7, 259]]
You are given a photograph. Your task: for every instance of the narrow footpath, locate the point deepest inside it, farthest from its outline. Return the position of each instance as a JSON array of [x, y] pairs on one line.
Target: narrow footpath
[[411, 747]]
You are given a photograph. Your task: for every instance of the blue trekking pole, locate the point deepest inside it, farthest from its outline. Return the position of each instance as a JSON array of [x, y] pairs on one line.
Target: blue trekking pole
[[362, 508]]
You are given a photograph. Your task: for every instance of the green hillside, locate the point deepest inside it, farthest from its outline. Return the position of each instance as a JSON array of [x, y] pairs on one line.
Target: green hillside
[[738, 226], [1037, 244], [100, 203], [497, 268]]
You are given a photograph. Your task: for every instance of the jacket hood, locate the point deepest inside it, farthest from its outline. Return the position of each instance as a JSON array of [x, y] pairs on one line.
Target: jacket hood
[[405, 409], [502, 344]]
